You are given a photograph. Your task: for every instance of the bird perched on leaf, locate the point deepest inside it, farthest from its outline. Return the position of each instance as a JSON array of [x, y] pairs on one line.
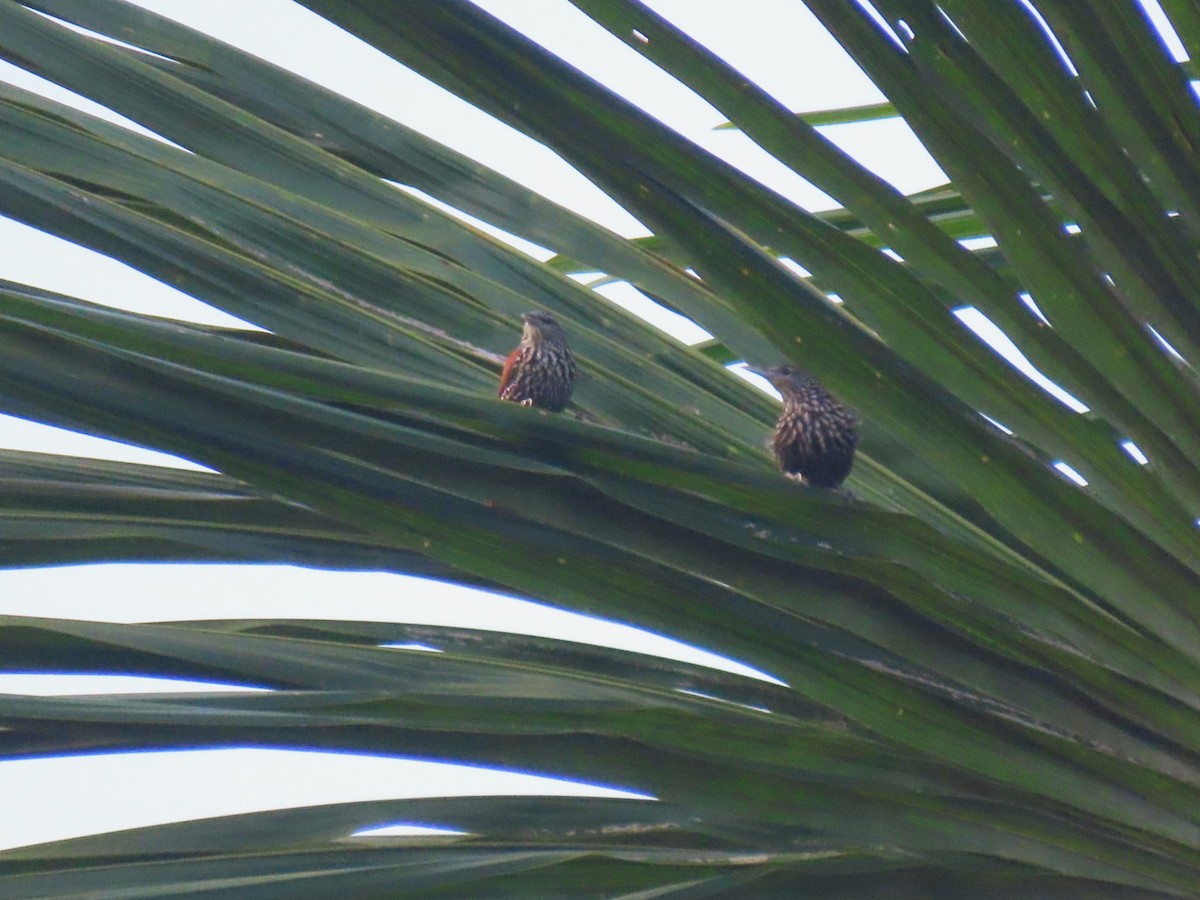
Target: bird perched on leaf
[[541, 370], [815, 436]]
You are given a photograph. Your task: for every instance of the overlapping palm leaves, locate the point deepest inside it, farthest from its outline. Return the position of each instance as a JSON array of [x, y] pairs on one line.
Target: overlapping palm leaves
[[992, 674]]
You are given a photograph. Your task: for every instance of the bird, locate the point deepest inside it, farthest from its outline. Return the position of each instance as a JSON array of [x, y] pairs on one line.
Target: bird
[[815, 437], [540, 371]]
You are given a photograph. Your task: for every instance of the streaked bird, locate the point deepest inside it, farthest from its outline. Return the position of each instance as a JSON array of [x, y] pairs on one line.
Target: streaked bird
[[541, 370], [815, 436]]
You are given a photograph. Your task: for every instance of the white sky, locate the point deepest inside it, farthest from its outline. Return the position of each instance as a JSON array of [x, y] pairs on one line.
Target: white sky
[[776, 42]]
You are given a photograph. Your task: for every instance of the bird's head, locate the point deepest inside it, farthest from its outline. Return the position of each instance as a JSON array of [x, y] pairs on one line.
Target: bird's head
[[785, 378], [541, 326]]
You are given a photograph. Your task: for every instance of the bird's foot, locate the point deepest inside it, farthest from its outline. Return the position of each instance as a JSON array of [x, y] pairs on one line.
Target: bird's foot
[[796, 477], [527, 402]]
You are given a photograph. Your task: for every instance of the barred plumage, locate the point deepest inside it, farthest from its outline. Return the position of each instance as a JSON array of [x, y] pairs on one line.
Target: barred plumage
[[816, 435], [541, 370]]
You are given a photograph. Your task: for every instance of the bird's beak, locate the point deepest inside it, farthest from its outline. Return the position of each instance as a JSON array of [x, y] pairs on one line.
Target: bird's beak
[[525, 318], [757, 371]]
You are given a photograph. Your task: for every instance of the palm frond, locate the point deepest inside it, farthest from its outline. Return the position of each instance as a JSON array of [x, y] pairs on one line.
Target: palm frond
[[989, 675]]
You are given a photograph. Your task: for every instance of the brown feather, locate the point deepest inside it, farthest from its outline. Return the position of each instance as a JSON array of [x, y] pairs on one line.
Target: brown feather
[[506, 374]]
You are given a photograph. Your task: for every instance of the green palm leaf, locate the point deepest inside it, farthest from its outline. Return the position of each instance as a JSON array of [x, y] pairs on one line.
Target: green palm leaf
[[989, 677]]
